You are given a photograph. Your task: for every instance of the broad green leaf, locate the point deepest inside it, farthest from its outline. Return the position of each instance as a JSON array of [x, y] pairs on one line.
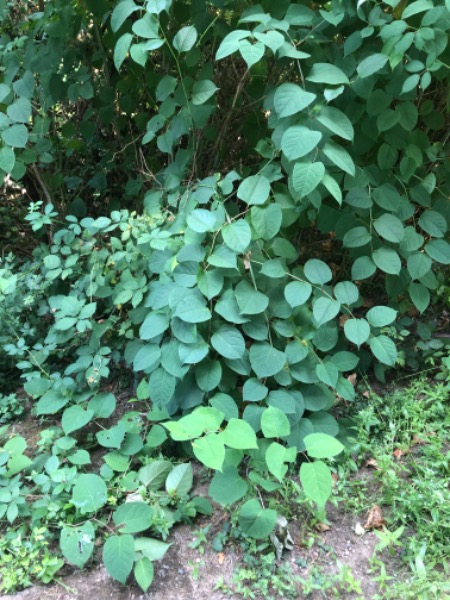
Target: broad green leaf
[[317, 271], [250, 301], [75, 418], [154, 325], [357, 331], [380, 316], [133, 517], [387, 260], [339, 157], [328, 373], [417, 7], [390, 228], [372, 64], [20, 110], [230, 43], [121, 49], [192, 309], [118, 556], [155, 473], [227, 487], [336, 121], [298, 141], [306, 176], [185, 39], [253, 390], [439, 250], [297, 292], [325, 309], [201, 220], [237, 235], [256, 521], [228, 342], [121, 12], [210, 450], [151, 548], [103, 405], [208, 374], [77, 543], [50, 403], [290, 99], [327, 73], [357, 237], [239, 435], [346, 292], [89, 493], [266, 360], [226, 405], [345, 361], [7, 159], [113, 437], [274, 423], [266, 221], [315, 478], [202, 91], [254, 189], [179, 481], [276, 457], [15, 136], [420, 296], [143, 572], [322, 445], [383, 348], [418, 264], [251, 52], [362, 268], [433, 223]]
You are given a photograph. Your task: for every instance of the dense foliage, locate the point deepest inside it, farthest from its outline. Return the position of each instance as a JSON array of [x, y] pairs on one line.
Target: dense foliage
[[238, 204]]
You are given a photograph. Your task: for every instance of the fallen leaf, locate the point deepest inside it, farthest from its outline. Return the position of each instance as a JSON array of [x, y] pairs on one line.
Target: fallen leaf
[[220, 558], [352, 379], [372, 464], [343, 319], [322, 527], [359, 529], [374, 518], [366, 394], [398, 453]]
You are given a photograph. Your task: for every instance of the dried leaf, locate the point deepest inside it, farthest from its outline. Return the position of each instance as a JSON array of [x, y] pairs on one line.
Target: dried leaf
[[372, 464], [352, 379], [322, 527], [398, 453], [359, 529], [220, 558], [374, 518]]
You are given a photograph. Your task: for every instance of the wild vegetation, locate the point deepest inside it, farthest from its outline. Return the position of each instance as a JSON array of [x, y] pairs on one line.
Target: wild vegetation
[[233, 208]]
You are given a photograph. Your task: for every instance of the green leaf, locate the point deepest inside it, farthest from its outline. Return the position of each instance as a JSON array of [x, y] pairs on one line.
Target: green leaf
[[144, 573], [317, 271], [103, 405], [185, 39], [239, 435], [121, 49], [250, 301], [315, 478], [328, 373], [89, 493], [255, 521], [237, 235], [228, 342], [339, 157], [113, 437], [336, 121], [192, 309], [118, 556], [251, 52], [266, 221], [290, 99], [306, 177], [208, 374], [418, 264], [7, 159], [383, 348], [357, 237], [227, 487], [276, 457], [151, 548], [325, 309], [77, 543], [274, 423], [298, 141], [380, 316], [372, 64], [15, 136], [433, 223], [161, 387], [266, 360], [75, 418], [297, 293], [202, 91], [362, 268], [50, 403], [390, 228], [346, 292], [322, 445], [387, 260], [357, 331], [133, 517], [154, 474], [327, 73], [226, 405], [420, 296], [121, 12], [254, 189], [345, 361], [201, 220], [20, 110], [417, 7], [439, 250], [179, 481], [254, 390], [210, 450], [154, 325], [230, 43]]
